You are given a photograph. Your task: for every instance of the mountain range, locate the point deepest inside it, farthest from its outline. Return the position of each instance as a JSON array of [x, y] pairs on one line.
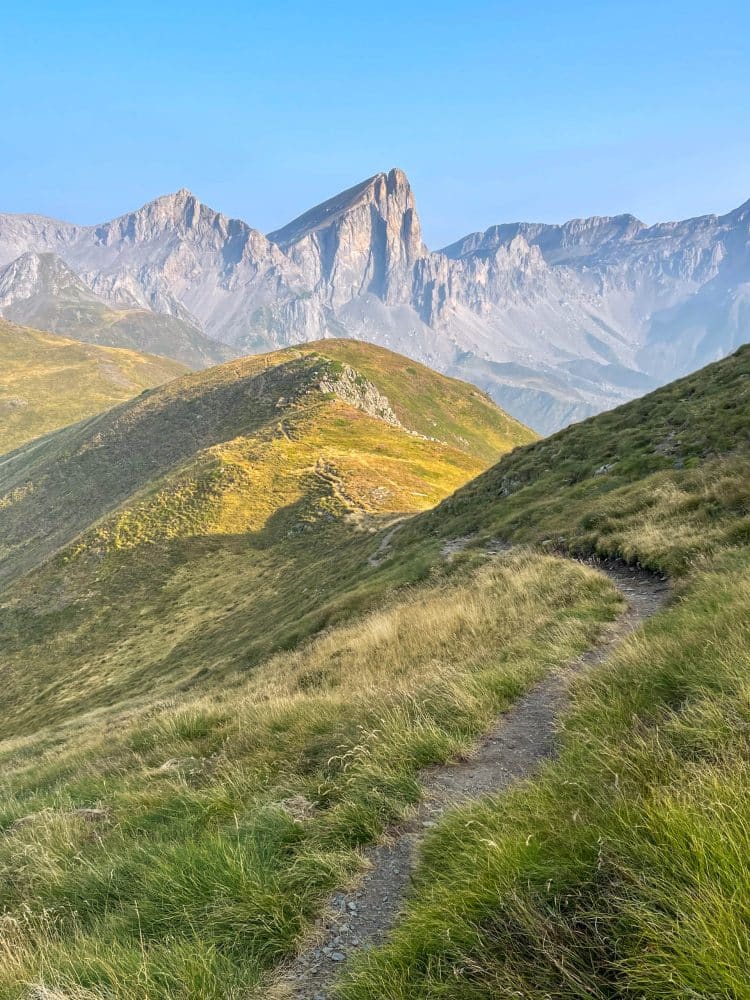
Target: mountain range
[[555, 322]]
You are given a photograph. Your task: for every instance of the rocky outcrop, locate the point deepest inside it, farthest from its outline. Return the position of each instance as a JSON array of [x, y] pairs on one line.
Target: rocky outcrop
[[353, 388]]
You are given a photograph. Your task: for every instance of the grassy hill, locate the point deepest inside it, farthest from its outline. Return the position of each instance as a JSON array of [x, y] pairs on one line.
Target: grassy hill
[[661, 481], [227, 673], [48, 381], [219, 517], [623, 871]]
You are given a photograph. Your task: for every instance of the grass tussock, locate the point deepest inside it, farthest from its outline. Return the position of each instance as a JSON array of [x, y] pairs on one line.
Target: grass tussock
[[180, 851]]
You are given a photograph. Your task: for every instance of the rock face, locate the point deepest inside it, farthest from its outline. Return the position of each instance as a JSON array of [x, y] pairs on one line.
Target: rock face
[[41, 291], [350, 386], [366, 240], [555, 321]]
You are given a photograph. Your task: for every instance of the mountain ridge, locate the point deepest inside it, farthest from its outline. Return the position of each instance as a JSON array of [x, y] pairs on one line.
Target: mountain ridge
[[592, 308], [82, 472]]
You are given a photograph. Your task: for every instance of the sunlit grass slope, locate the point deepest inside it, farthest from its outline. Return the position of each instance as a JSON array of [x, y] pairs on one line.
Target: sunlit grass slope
[[623, 871], [47, 381], [226, 515]]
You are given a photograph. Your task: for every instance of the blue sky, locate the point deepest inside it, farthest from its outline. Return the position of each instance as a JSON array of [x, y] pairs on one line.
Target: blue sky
[[497, 111]]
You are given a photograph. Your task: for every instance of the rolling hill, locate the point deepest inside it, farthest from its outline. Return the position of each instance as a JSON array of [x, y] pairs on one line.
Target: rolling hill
[[48, 381], [226, 494], [225, 671]]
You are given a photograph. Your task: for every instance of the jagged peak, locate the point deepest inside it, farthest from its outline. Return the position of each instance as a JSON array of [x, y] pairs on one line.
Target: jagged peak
[[322, 215], [171, 198], [396, 177], [182, 212], [173, 204], [739, 214]]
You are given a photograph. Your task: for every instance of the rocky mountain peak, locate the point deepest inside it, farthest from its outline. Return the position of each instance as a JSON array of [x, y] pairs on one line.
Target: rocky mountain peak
[[380, 191], [365, 239], [39, 274], [178, 212]]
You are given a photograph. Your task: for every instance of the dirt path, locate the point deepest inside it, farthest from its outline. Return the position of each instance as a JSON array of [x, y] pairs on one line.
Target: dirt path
[[382, 552], [521, 740]]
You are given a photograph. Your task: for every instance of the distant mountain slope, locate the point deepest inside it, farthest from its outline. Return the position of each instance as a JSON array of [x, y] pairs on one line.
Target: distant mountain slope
[[265, 476], [48, 381], [40, 290], [556, 322]]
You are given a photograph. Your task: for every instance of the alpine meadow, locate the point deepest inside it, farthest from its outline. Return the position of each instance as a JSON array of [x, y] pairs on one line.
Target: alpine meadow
[[375, 599]]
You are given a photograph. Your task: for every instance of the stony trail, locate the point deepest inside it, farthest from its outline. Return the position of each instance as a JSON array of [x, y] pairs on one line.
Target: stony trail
[[522, 739]]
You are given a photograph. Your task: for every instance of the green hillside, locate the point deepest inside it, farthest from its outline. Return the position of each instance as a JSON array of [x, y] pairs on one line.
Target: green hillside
[[661, 481], [48, 381], [226, 664], [623, 871], [196, 523]]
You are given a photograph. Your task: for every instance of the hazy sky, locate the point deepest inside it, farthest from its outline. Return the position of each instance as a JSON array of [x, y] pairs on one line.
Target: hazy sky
[[497, 111]]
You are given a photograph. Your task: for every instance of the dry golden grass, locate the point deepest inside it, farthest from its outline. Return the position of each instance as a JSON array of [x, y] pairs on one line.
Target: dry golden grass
[[194, 875], [48, 381]]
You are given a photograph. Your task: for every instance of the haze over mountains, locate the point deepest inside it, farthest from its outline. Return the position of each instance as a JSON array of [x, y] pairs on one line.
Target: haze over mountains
[[555, 321]]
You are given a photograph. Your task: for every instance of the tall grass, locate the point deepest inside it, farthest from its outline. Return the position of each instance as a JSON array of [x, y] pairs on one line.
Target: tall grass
[[624, 871], [221, 822]]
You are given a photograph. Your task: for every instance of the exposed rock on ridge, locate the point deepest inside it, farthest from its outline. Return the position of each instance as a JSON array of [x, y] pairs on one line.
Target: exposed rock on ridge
[[353, 388]]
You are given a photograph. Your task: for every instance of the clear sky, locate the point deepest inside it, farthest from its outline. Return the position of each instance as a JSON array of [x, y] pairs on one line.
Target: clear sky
[[497, 111]]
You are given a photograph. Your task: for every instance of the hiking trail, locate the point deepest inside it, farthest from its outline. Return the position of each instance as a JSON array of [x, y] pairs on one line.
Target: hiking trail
[[521, 739]]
